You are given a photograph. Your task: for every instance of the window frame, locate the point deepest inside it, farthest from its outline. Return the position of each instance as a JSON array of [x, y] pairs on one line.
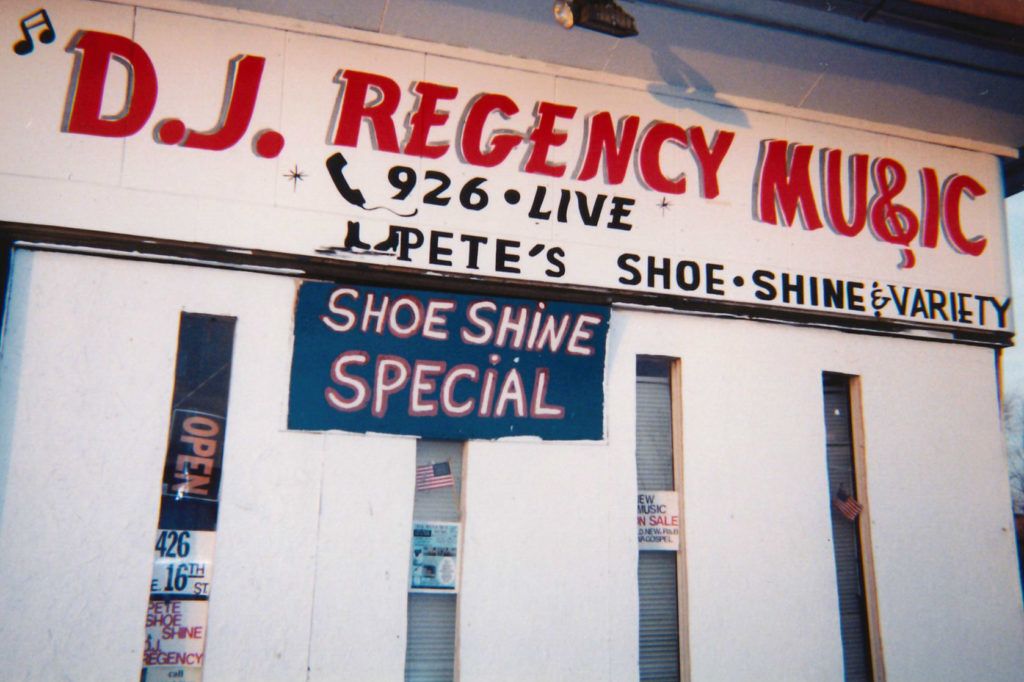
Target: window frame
[[675, 383]]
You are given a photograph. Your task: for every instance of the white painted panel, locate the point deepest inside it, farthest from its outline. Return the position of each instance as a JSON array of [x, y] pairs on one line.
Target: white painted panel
[[36, 86], [473, 80], [88, 368], [312, 550], [309, 107], [289, 204], [948, 588], [686, 50], [757, 552], [762, 601], [195, 96], [84, 405], [363, 558], [500, 27], [264, 568], [756, 494], [363, 14], [535, 600]]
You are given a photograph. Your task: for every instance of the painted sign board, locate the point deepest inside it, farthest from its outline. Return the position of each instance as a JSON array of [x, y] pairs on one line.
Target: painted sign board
[[182, 562], [657, 520], [175, 639], [194, 470], [450, 366], [435, 556], [370, 149]]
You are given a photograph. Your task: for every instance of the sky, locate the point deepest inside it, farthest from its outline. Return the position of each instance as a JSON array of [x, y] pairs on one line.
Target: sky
[[1013, 358]]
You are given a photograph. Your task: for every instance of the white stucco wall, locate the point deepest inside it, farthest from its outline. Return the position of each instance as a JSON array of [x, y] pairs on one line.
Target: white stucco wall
[[311, 562], [83, 449], [761, 581], [312, 543]]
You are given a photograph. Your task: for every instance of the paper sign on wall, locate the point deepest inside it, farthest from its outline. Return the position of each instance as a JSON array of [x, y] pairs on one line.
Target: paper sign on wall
[[175, 640], [657, 520], [189, 501], [435, 556], [183, 562]]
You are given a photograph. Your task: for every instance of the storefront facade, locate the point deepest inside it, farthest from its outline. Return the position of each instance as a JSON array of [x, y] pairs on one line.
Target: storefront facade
[[394, 254]]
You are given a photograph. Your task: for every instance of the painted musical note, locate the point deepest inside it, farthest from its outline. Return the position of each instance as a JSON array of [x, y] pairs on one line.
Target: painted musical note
[[35, 20]]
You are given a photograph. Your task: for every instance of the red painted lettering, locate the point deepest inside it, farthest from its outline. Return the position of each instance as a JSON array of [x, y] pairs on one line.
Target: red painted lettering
[[857, 192], [709, 159], [500, 144], [543, 137], [426, 117], [93, 54], [784, 184], [649, 159], [243, 85], [616, 149], [356, 85], [891, 222], [956, 187], [931, 212]]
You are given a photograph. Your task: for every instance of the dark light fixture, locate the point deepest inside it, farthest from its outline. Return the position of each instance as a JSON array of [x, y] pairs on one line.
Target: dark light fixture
[[603, 16]]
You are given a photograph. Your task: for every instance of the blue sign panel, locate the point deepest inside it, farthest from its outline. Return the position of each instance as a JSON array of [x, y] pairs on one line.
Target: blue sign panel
[[446, 366]]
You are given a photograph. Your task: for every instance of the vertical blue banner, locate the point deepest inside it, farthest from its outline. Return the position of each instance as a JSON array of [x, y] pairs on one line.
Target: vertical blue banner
[[179, 593], [195, 444], [446, 366]]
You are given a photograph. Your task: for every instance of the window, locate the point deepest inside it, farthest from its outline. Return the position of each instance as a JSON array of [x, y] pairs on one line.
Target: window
[[857, 612], [431, 624], [659, 521]]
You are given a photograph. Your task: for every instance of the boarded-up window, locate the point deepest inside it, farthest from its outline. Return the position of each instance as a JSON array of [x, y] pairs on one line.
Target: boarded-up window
[[846, 540], [657, 570], [430, 635]]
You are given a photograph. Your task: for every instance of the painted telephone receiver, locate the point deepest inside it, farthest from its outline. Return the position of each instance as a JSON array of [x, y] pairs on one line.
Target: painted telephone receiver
[[335, 168], [335, 165]]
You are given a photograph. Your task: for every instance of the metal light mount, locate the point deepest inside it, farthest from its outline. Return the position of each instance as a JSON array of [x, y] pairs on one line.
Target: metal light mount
[[603, 16]]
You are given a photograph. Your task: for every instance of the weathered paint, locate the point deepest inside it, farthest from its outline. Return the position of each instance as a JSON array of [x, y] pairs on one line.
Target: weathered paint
[[312, 554], [378, 152]]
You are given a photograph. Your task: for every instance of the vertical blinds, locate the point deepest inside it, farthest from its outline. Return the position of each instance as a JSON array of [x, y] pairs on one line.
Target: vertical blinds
[[430, 629], [654, 470], [659, 616], [845, 534], [656, 570], [430, 638]]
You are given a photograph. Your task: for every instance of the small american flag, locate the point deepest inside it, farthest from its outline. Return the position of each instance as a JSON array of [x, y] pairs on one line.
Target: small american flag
[[847, 506], [430, 476]]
